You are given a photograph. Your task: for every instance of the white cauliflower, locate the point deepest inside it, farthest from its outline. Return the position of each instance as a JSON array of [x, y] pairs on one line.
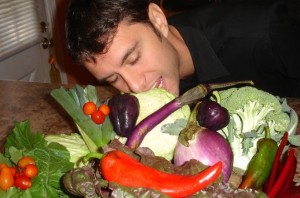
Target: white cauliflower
[[163, 137]]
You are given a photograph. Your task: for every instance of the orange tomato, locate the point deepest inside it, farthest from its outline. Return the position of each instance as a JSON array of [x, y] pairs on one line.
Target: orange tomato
[[25, 160], [6, 178], [30, 170], [89, 108], [2, 165], [104, 108]]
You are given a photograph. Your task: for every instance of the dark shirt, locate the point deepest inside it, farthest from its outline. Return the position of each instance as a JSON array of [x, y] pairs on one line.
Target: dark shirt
[[249, 40]]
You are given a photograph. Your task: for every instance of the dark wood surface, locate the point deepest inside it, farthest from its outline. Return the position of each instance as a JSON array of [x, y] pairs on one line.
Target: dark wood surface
[[32, 101], [21, 101]]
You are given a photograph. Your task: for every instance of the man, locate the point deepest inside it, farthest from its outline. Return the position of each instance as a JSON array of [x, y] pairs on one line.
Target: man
[[134, 47]]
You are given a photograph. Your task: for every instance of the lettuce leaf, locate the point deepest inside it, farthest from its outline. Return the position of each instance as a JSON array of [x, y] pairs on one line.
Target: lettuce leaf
[[51, 159]]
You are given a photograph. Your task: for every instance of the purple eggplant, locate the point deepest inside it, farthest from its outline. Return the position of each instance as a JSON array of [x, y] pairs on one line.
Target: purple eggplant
[[124, 111], [212, 115], [208, 147], [204, 145]]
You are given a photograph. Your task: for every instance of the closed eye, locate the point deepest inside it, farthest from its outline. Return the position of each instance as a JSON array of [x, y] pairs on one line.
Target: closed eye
[[135, 60], [113, 79]]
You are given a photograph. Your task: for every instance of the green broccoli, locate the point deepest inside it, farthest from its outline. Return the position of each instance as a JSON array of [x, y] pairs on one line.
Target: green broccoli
[[254, 108], [251, 110]]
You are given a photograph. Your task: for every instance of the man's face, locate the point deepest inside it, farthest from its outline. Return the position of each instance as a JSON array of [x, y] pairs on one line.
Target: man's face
[[138, 60]]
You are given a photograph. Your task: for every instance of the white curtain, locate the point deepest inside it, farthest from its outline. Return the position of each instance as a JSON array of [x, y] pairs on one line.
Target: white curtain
[[19, 26]]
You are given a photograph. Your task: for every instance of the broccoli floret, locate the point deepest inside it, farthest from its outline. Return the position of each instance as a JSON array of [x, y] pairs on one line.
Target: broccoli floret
[[251, 110], [254, 108]]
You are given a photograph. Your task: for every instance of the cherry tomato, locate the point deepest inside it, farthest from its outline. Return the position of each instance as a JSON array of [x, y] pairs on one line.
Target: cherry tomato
[[6, 178], [25, 160], [30, 170], [89, 108], [2, 165], [23, 182], [98, 117], [104, 108]]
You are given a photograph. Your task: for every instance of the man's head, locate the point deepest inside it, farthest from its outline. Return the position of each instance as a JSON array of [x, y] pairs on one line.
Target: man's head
[[123, 42], [91, 25]]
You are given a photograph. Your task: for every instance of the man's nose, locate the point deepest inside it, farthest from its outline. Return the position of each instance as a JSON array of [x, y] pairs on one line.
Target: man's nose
[[135, 82]]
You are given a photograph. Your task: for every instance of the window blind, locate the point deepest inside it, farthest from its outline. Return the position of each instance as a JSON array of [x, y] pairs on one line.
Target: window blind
[[19, 26]]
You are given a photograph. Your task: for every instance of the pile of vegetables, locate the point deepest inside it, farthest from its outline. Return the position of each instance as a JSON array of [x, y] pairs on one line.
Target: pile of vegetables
[[152, 144], [141, 121], [145, 132]]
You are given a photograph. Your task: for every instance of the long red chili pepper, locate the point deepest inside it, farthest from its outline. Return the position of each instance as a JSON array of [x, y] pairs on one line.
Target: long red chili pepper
[[289, 183], [291, 193], [282, 177], [272, 178], [118, 167]]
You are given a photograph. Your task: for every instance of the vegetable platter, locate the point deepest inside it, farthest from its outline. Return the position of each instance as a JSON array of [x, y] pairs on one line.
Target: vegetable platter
[[154, 144]]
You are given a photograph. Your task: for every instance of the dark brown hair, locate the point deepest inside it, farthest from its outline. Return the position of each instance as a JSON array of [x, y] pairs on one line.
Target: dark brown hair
[[91, 24]]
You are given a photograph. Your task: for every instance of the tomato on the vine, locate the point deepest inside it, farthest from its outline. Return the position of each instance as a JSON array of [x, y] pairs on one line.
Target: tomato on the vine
[[6, 178], [89, 108], [25, 160], [104, 108], [23, 182], [98, 117], [30, 170]]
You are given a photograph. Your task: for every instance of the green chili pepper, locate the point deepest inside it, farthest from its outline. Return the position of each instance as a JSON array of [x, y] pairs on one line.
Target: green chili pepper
[[260, 166]]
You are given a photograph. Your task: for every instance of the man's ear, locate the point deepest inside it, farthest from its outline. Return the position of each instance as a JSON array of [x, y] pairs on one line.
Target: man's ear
[[158, 18]]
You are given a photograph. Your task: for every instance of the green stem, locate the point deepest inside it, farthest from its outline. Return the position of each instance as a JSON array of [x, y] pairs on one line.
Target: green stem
[[93, 155], [267, 132]]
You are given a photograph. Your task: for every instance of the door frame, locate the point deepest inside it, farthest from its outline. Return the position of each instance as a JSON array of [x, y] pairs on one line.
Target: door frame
[[50, 9]]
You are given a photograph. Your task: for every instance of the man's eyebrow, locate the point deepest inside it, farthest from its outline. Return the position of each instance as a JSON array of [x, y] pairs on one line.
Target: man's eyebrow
[[128, 52]]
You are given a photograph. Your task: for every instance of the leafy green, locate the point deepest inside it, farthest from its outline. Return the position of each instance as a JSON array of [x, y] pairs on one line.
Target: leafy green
[[75, 145], [23, 138], [52, 160], [72, 100]]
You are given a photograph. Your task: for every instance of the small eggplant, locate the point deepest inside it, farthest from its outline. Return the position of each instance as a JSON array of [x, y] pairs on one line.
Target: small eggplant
[[204, 145], [124, 111], [212, 115]]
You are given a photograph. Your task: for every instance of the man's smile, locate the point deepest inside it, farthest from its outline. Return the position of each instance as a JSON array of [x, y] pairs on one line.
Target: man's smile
[[158, 83]]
